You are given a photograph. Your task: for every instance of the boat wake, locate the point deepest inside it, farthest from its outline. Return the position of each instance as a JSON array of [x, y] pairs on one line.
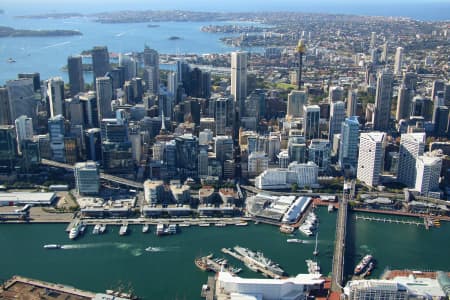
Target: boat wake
[[56, 45], [83, 246], [155, 249], [137, 252]]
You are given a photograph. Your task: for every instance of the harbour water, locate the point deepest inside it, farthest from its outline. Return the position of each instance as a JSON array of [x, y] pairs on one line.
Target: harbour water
[[47, 55], [397, 246], [99, 262]]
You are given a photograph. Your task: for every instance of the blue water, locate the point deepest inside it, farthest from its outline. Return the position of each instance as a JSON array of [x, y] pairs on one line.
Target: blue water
[[48, 55]]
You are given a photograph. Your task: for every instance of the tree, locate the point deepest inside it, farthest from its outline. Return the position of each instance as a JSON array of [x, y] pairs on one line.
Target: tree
[[294, 187]]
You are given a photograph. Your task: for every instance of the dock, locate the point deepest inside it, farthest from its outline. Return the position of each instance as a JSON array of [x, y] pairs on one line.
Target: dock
[[388, 220], [246, 261], [208, 290], [208, 263]]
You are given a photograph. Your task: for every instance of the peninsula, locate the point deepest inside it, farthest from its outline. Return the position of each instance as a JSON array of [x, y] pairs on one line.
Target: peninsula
[[11, 32]]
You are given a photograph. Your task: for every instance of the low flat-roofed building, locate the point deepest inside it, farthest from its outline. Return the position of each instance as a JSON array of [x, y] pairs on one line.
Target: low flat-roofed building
[[22, 198], [214, 210], [206, 194], [292, 288]]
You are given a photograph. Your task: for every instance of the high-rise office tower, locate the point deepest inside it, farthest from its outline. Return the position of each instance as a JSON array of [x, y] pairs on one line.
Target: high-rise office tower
[[151, 57], [56, 130], [22, 100], [337, 116], [438, 86], [352, 102], [223, 146], [24, 130], [151, 78], [371, 157], [5, 112], [76, 80], [336, 94], [410, 80], [440, 121], [348, 147], [383, 99], [398, 63], [104, 98], [186, 153], [172, 83], [203, 161], [8, 149], [428, 173], [447, 94], [411, 146], [384, 53], [319, 153], [220, 115], [311, 119], [373, 39], [129, 65], [87, 178], [239, 80], [35, 77], [100, 61], [55, 92], [403, 103], [296, 101]]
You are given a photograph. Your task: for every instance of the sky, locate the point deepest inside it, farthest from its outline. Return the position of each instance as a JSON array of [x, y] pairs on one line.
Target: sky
[[412, 8]]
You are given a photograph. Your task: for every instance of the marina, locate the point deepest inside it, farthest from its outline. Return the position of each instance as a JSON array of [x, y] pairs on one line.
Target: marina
[[209, 263], [388, 220]]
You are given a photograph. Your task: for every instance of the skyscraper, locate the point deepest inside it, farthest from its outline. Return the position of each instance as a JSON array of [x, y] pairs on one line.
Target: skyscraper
[[337, 116], [76, 80], [438, 86], [239, 80], [129, 65], [22, 100], [151, 57], [87, 178], [319, 153], [398, 63], [411, 146], [383, 98], [296, 101], [428, 174], [220, 115], [8, 149], [104, 98], [172, 83], [348, 147], [5, 112], [352, 102], [151, 78], [55, 92], [441, 121], [24, 130], [336, 94], [223, 146], [311, 125], [371, 157], [403, 103], [35, 77], [373, 39], [56, 130], [100, 61]]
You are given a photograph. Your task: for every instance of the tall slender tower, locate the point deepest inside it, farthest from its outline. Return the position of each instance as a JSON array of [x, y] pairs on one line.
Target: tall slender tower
[[55, 91], [383, 101], [300, 49], [398, 61], [239, 80], [100, 61], [75, 66]]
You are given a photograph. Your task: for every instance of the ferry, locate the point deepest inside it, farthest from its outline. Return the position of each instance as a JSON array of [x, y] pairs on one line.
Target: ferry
[[52, 246], [295, 241], [145, 228], [204, 224], [123, 229], [96, 229], [102, 229], [220, 224], [75, 231], [241, 224], [363, 264], [257, 259]]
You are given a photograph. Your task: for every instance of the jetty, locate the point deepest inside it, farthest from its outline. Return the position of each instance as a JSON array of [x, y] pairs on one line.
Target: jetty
[[247, 262], [388, 220], [216, 265]]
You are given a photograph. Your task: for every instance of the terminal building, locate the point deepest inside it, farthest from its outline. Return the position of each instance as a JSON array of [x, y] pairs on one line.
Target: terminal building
[[294, 288]]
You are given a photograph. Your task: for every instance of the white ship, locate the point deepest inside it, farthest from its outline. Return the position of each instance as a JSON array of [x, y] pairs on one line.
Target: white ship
[[258, 259], [75, 231], [96, 229], [123, 229]]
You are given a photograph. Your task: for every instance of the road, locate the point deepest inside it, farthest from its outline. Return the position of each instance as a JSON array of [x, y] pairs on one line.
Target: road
[[339, 247]]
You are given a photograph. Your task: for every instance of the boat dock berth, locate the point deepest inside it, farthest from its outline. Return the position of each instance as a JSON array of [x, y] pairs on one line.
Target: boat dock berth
[[246, 261], [388, 220], [209, 263]]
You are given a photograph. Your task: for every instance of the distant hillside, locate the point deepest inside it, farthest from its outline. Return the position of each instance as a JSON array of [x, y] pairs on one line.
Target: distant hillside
[[11, 32]]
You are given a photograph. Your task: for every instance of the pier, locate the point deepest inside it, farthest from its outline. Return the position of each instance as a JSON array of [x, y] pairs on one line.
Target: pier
[[387, 220], [247, 261], [208, 263]]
